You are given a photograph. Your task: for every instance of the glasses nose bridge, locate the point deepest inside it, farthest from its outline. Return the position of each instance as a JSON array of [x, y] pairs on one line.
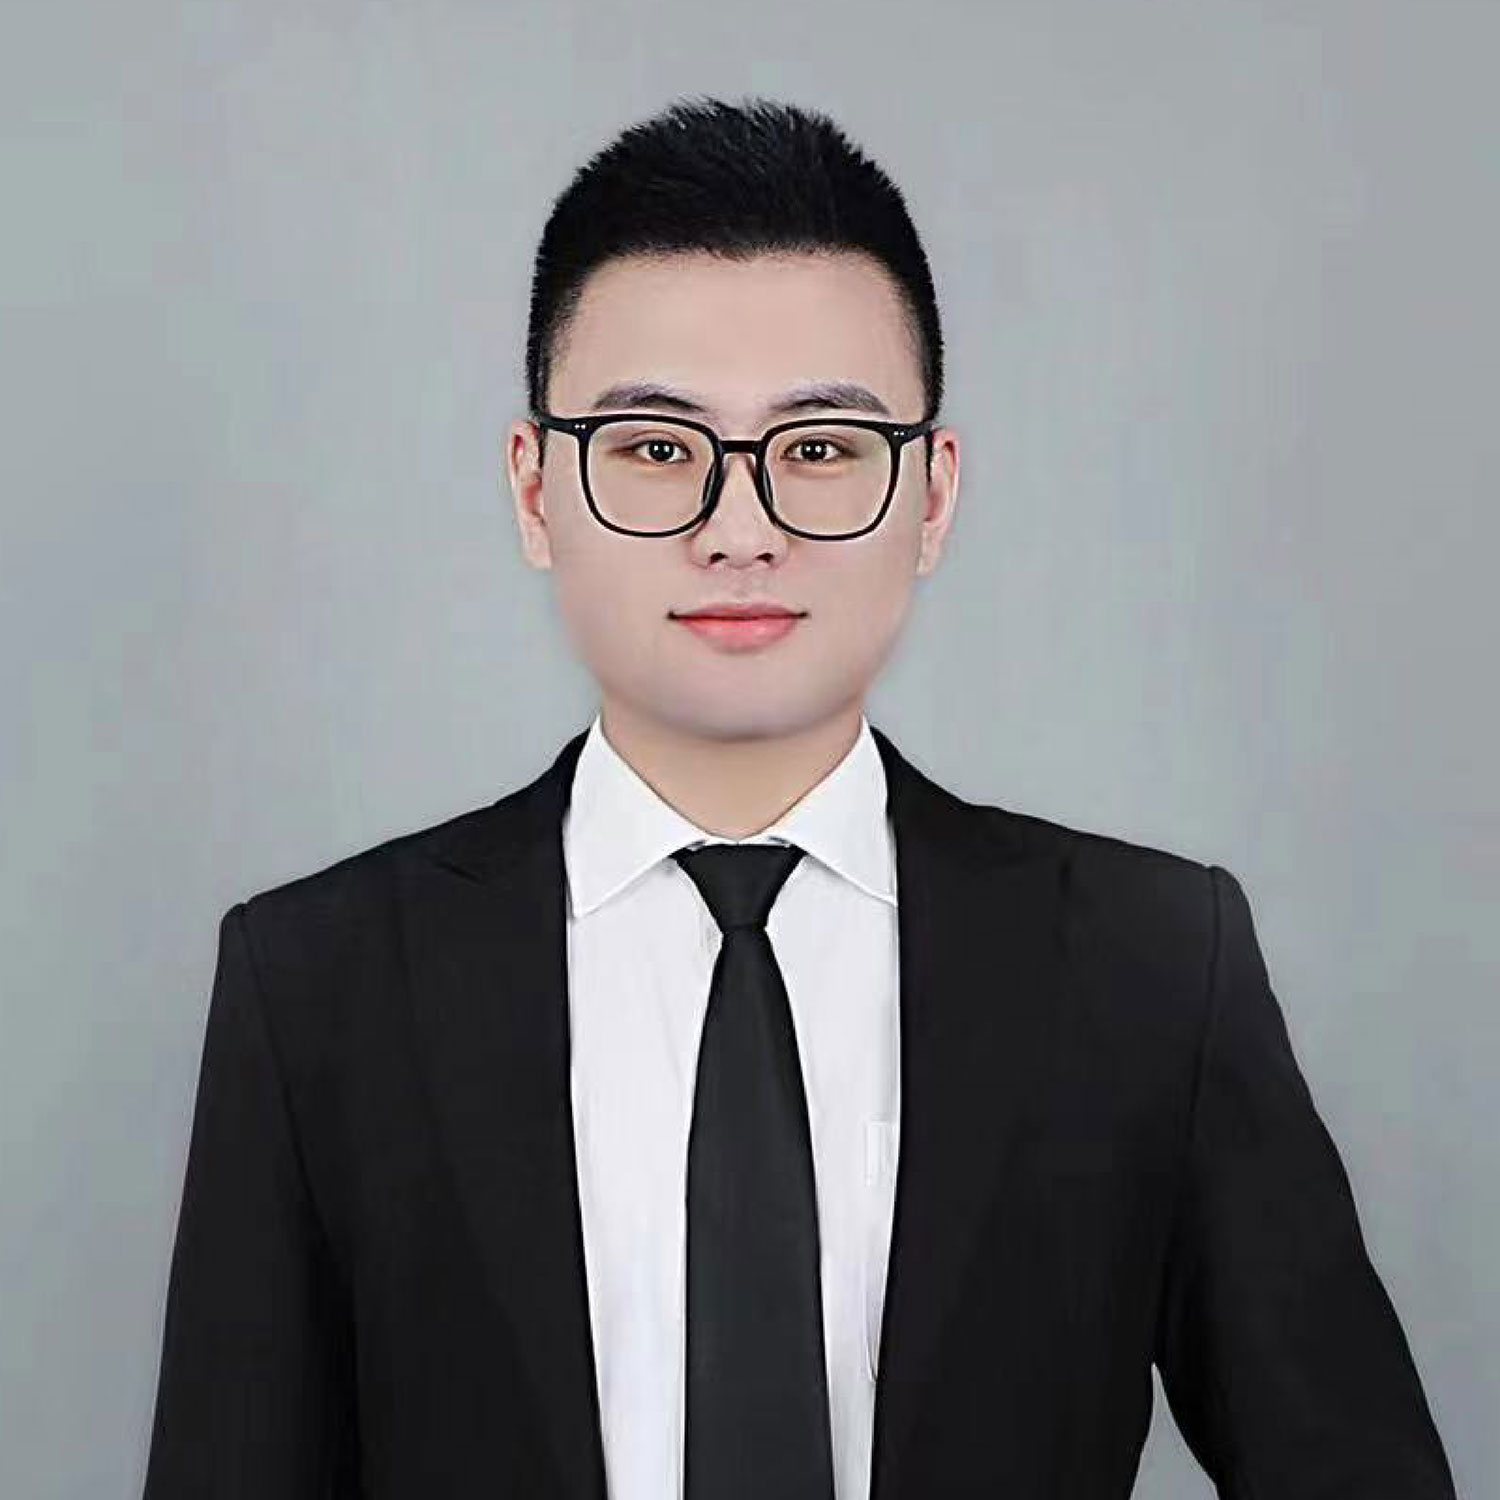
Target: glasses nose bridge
[[729, 447]]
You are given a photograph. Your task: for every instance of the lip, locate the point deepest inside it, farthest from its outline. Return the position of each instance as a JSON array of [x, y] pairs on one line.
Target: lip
[[744, 609], [740, 632]]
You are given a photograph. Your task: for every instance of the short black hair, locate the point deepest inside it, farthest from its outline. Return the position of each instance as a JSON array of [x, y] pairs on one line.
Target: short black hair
[[740, 179]]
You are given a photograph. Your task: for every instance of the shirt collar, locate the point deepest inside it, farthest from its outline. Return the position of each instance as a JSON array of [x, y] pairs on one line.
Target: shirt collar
[[618, 826]]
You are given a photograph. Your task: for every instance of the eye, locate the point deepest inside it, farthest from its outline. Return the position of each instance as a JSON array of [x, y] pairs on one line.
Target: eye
[[822, 449], [655, 445]]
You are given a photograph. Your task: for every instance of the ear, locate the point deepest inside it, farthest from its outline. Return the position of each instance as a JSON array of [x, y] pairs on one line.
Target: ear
[[523, 466], [940, 497]]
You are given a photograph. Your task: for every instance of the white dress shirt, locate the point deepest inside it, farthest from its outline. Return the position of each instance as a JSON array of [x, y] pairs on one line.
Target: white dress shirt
[[641, 951]]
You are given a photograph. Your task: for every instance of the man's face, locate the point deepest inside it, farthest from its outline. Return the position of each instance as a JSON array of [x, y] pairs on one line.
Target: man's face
[[735, 338]]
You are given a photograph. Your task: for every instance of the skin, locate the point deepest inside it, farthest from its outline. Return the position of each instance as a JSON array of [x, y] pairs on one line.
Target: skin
[[733, 739]]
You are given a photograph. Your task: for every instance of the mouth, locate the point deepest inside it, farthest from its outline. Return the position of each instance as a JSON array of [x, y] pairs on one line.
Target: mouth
[[740, 627], [739, 610]]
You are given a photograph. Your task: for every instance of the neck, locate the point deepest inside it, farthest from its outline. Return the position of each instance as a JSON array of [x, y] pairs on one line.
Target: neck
[[733, 787]]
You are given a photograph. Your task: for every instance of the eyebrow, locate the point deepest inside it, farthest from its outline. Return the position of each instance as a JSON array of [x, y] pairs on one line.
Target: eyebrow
[[812, 395]]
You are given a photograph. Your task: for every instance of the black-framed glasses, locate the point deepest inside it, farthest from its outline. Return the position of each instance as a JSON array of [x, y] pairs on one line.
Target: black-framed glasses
[[827, 479]]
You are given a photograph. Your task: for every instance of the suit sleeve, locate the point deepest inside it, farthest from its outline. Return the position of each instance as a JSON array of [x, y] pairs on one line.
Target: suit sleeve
[[1280, 1353], [254, 1388]]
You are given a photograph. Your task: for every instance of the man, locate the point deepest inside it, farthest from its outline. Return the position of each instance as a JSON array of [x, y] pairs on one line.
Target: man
[[733, 1110]]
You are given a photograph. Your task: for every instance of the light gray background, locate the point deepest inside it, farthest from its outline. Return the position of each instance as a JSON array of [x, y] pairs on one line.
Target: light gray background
[[1219, 286]]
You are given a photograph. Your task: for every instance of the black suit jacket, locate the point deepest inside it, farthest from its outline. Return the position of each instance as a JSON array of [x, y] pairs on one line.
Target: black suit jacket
[[1109, 1157]]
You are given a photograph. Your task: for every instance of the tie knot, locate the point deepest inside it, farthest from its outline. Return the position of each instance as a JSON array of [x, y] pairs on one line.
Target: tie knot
[[739, 882]]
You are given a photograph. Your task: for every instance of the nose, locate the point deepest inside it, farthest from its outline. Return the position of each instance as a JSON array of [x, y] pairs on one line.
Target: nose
[[739, 505]]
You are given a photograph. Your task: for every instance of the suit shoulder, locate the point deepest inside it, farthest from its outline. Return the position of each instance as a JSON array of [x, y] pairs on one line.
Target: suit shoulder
[[356, 886], [1035, 832], [1150, 889], [325, 942], [1139, 921]]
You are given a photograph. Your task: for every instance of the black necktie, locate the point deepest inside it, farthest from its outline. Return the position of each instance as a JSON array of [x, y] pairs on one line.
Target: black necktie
[[756, 1377]]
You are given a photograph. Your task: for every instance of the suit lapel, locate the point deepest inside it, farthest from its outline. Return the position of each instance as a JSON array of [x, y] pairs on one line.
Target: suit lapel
[[484, 923], [978, 912], [486, 937]]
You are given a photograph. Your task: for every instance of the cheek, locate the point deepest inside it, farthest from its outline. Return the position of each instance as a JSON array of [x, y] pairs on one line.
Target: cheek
[[876, 572], [864, 603], [609, 596]]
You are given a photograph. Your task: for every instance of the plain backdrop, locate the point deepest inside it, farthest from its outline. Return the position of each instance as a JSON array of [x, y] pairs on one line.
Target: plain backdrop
[[1219, 289]]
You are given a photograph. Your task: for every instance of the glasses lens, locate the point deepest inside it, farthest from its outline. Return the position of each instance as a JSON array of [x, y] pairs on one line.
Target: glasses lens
[[828, 478], [649, 473]]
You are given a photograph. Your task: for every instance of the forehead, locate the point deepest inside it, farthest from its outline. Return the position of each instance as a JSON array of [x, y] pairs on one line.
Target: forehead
[[738, 332]]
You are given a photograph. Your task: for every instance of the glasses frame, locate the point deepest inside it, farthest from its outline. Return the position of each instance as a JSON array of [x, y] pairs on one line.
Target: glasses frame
[[896, 434]]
